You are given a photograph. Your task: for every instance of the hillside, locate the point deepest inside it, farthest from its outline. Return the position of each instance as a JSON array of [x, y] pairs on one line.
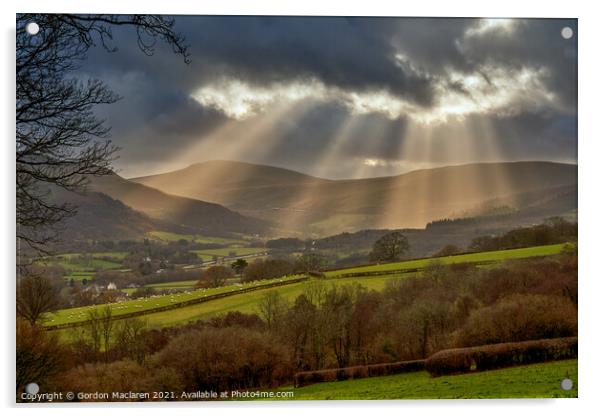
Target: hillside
[[303, 204], [201, 216], [100, 217]]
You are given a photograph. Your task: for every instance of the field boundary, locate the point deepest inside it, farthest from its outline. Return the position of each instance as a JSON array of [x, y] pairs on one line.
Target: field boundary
[[400, 271], [181, 304]]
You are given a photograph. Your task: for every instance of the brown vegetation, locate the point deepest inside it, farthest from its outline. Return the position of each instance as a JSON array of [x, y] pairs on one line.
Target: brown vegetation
[[488, 357]]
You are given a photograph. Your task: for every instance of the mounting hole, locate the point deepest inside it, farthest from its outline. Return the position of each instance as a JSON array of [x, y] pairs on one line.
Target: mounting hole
[[566, 32], [566, 384], [32, 28], [32, 388]]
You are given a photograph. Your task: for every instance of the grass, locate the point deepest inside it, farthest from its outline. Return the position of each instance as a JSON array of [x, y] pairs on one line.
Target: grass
[[499, 255], [201, 239], [223, 252], [80, 314], [530, 381], [182, 284], [79, 269], [79, 276], [248, 302]]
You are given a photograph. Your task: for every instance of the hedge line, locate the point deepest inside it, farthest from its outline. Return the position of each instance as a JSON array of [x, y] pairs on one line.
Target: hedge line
[[403, 271], [306, 378], [488, 357], [181, 304]]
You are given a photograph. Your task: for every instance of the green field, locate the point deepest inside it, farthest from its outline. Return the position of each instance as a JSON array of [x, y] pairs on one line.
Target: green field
[[80, 314], [530, 381], [201, 239], [79, 276], [223, 252], [500, 255], [248, 302], [182, 284], [79, 268]]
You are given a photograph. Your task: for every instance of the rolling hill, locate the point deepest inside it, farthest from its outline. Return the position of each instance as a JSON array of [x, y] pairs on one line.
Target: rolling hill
[[201, 216], [100, 217], [302, 204]]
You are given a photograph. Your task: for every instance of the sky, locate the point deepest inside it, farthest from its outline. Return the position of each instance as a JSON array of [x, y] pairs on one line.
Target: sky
[[340, 97]]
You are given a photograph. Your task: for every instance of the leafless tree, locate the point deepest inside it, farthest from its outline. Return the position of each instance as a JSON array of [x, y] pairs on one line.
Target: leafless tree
[[60, 140], [35, 296]]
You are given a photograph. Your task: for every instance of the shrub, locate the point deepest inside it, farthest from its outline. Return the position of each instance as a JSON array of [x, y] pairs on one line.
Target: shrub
[[306, 378], [39, 355], [488, 357], [519, 317], [222, 359]]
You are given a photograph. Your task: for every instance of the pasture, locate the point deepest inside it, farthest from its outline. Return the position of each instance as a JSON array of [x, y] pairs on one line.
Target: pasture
[[529, 381], [225, 252], [485, 256], [248, 302], [201, 239], [80, 314]]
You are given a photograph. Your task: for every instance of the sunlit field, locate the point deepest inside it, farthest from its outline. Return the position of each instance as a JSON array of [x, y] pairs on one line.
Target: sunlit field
[[487, 256], [536, 380], [248, 302]]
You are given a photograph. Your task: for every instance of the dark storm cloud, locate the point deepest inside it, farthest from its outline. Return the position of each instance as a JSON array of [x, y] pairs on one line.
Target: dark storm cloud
[[157, 115]]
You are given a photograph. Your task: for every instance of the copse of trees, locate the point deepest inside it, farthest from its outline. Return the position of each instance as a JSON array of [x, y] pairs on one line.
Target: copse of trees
[[270, 268], [215, 276], [552, 231]]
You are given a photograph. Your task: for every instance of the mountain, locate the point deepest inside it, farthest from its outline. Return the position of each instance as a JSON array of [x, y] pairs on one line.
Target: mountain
[[100, 217], [304, 204], [203, 217]]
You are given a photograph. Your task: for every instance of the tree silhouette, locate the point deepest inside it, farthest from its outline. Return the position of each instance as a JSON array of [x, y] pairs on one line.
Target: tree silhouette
[[389, 247], [60, 140]]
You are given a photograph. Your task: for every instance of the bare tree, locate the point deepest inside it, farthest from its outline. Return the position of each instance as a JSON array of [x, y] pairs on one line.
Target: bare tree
[[35, 296], [389, 247], [60, 140]]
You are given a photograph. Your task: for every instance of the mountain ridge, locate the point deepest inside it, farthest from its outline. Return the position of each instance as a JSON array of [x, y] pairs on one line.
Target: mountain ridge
[[301, 203]]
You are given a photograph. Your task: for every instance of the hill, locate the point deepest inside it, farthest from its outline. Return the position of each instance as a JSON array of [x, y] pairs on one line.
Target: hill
[[100, 217], [302, 204], [204, 217]]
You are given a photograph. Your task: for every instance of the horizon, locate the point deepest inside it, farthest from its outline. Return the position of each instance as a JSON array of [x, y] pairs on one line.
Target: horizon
[[133, 178]]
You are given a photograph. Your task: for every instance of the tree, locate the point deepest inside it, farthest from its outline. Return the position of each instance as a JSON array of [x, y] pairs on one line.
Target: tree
[[311, 262], [39, 355], [389, 247], [215, 276], [60, 140], [272, 308], [239, 266], [35, 296]]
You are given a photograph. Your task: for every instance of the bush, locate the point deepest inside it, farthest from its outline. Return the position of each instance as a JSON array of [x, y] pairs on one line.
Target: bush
[[223, 359], [488, 357], [39, 355], [519, 317], [306, 378], [118, 376]]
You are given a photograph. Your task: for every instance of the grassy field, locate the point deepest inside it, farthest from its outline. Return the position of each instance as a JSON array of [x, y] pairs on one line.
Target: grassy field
[[80, 314], [201, 239], [79, 268], [499, 255], [530, 381], [249, 302], [174, 285], [223, 252]]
